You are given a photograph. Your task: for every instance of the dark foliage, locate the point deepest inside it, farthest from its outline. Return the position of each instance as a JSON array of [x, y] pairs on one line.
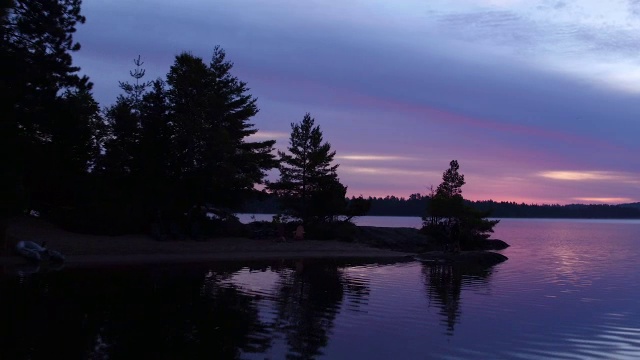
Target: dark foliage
[[449, 219], [414, 206], [262, 203], [166, 149], [356, 206], [505, 209], [338, 230], [308, 187], [210, 158], [162, 149], [178, 145], [50, 126]]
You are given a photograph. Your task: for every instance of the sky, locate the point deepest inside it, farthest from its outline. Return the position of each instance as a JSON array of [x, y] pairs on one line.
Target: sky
[[539, 101]]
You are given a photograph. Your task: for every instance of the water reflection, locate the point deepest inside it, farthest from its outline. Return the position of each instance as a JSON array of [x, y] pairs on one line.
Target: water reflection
[[172, 313], [128, 314], [310, 296], [444, 284]]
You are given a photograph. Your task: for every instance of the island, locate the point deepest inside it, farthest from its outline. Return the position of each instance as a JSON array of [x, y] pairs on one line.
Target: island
[[86, 250]]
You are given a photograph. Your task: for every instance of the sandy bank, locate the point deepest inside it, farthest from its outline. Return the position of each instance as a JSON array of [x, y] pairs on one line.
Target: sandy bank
[[87, 250]]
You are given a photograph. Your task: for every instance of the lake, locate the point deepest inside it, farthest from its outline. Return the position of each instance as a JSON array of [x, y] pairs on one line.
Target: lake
[[570, 290], [386, 221]]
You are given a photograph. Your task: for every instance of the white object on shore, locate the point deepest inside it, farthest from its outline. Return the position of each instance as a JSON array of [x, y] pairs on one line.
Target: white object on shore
[[33, 251], [30, 250]]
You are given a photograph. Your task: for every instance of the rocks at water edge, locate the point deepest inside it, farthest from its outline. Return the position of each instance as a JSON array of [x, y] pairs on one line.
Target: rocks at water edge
[[467, 258], [488, 244], [394, 238], [412, 240]]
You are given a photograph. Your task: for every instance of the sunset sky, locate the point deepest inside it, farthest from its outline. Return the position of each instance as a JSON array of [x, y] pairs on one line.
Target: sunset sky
[[539, 101]]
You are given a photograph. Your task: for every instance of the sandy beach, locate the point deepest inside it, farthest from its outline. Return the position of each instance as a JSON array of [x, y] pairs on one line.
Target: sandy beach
[[96, 250]]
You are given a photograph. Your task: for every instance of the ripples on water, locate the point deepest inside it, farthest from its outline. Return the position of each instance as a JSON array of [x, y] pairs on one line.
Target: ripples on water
[[568, 291]]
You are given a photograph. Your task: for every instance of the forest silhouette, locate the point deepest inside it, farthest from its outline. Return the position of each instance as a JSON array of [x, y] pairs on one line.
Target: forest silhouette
[[169, 151], [166, 156]]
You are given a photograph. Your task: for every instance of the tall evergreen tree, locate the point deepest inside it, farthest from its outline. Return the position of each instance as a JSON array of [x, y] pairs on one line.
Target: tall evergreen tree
[[36, 46], [448, 218], [446, 204], [121, 160], [133, 168], [210, 110], [177, 144], [73, 149], [308, 185], [154, 145], [11, 185], [135, 151], [452, 181]]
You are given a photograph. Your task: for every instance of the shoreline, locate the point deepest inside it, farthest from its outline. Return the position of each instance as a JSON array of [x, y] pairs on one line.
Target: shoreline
[[99, 261], [84, 250]]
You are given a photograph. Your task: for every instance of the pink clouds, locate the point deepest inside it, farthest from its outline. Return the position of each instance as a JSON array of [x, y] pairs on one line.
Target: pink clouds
[[399, 99]]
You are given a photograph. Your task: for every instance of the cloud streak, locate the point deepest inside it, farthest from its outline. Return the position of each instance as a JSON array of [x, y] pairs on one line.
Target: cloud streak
[[371, 157], [607, 176], [516, 91], [269, 135], [605, 200]]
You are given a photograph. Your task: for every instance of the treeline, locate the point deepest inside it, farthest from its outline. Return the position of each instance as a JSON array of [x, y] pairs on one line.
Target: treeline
[[579, 211], [168, 153], [416, 205], [165, 148]]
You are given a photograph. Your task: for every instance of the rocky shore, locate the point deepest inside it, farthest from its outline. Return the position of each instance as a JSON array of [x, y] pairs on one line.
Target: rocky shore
[[467, 258], [84, 249], [411, 240], [367, 242]]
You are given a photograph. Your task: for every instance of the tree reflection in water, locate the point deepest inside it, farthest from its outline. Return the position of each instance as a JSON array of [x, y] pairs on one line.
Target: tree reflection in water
[[444, 284], [310, 296], [172, 312]]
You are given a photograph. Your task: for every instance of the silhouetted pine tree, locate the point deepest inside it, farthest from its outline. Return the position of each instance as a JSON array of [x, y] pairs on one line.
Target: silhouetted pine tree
[[74, 147], [211, 159], [308, 185], [43, 97], [121, 160], [155, 147], [448, 218]]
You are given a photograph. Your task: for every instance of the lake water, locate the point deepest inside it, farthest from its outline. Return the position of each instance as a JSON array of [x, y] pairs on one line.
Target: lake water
[[570, 290], [388, 221]]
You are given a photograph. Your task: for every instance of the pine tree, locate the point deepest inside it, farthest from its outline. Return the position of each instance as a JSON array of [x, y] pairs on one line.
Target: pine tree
[[38, 76], [210, 112], [308, 185], [122, 148], [448, 218], [50, 127], [154, 148], [37, 43], [452, 181]]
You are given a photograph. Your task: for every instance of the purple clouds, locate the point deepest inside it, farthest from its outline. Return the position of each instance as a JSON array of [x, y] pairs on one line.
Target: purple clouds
[[511, 89]]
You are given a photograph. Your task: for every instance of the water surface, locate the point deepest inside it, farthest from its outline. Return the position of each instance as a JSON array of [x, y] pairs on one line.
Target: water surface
[[569, 290]]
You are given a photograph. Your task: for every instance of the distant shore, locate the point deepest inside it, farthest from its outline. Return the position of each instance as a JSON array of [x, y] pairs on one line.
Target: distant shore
[[84, 250]]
